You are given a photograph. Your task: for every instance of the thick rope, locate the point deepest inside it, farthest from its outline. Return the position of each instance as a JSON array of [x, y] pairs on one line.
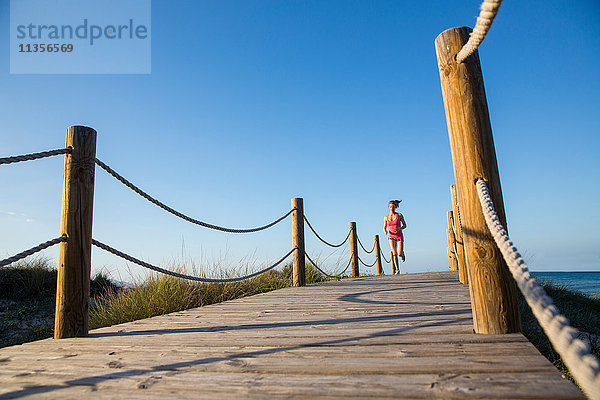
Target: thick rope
[[33, 250], [363, 247], [325, 273], [489, 10], [575, 353], [177, 274], [317, 267], [323, 240], [34, 156], [363, 263], [384, 259], [180, 215], [347, 266]]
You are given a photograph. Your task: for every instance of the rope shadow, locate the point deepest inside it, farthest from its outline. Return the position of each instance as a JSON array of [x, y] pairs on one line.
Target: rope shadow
[[355, 298], [291, 324], [173, 368]]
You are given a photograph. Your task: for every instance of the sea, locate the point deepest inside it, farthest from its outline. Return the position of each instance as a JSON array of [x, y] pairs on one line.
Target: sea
[[586, 282]]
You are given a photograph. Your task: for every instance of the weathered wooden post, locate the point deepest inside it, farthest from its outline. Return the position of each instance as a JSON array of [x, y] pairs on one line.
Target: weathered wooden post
[[354, 249], [298, 241], [493, 291], [463, 276], [452, 260], [75, 255], [379, 268]]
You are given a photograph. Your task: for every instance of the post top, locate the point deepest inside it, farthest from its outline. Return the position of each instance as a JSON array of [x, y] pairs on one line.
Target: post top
[[457, 28]]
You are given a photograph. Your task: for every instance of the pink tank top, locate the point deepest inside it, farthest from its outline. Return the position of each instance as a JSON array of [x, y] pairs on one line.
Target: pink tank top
[[393, 226]]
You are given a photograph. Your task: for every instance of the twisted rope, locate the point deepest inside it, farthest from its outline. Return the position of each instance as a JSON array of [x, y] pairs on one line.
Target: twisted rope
[[184, 276], [574, 352], [323, 240], [34, 156], [325, 273], [363, 263], [363, 247], [347, 266], [180, 215], [385, 259], [489, 10], [33, 250], [317, 267]]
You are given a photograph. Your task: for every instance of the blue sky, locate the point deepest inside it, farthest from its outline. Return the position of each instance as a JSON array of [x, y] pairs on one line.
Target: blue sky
[[252, 103]]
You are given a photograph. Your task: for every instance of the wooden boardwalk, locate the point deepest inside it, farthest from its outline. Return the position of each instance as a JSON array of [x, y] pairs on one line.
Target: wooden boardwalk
[[407, 336]]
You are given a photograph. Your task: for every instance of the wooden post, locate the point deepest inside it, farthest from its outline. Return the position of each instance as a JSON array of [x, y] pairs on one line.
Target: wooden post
[[75, 255], [452, 260], [493, 291], [354, 249], [378, 268], [298, 241], [463, 276]]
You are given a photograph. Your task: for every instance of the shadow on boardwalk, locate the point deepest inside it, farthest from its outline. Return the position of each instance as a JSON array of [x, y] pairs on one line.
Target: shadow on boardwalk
[[406, 336], [92, 381]]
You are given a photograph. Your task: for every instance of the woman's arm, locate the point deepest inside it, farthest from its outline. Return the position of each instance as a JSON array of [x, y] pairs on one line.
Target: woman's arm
[[385, 225], [402, 222]]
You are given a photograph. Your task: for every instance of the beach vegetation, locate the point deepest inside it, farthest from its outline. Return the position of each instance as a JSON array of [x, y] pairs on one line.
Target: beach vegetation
[[583, 312]]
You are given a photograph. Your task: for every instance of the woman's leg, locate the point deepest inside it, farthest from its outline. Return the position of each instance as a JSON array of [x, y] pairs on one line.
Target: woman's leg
[[400, 249], [397, 253], [394, 255]]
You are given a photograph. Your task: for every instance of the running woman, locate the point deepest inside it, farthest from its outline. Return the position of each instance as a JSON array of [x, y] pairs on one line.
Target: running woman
[[394, 224]]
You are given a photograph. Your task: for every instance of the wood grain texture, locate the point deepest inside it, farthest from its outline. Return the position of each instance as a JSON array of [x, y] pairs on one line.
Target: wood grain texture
[[75, 255], [299, 267], [452, 258], [379, 267], [493, 291], [354, 267], [403, 337], [463, 276]]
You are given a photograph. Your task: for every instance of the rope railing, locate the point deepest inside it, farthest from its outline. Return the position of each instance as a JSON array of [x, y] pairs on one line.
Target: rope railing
[[33, 156], [184, 276], [325, 273], [33, 250], [365, 264], [489, 10], [323, 240], [347, 266], [363, 247], [385, 259], [317, 267], [181, 215], [78, 188], [575, 353]]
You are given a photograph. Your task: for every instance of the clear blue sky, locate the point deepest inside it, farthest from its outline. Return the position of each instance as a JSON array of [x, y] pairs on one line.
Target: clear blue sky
[[251, 103]]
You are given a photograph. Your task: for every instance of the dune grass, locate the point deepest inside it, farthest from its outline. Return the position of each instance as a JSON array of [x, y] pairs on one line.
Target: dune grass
[[27, 296], [161, 294], [28, 293], [583, 313], [27, 300]]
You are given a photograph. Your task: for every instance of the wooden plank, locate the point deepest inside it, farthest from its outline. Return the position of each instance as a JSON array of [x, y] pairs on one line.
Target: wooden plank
[[220, 385], [380, 337]]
